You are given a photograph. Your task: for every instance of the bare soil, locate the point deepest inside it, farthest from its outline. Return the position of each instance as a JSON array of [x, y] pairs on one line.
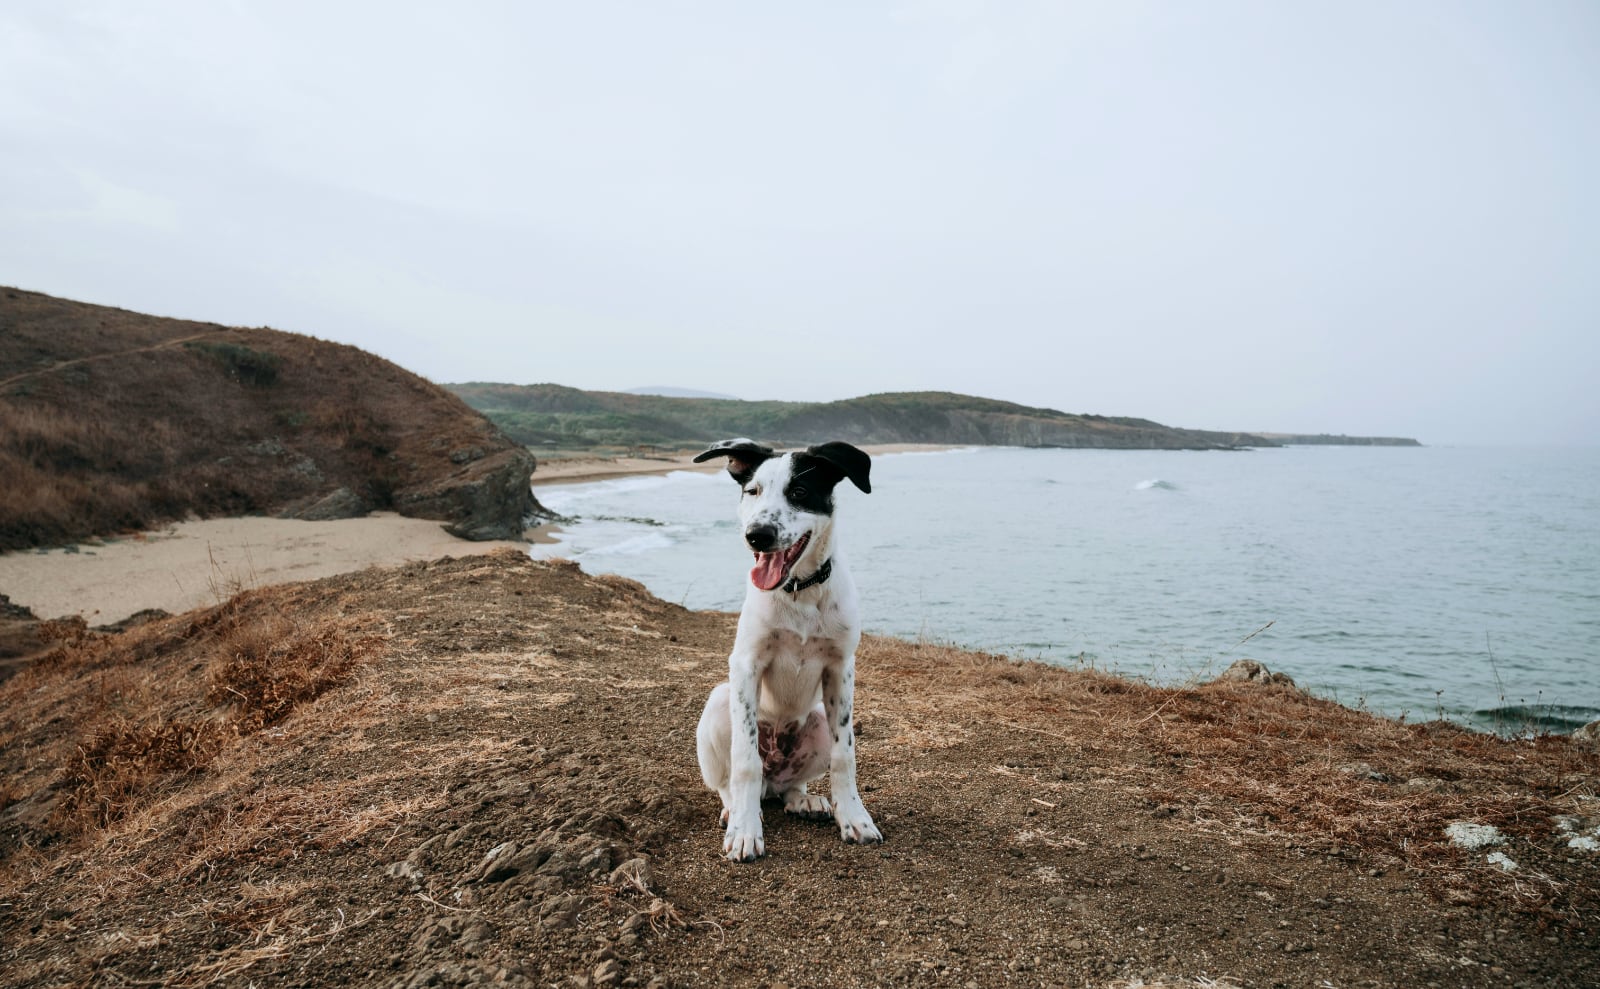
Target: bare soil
[[481, 771]]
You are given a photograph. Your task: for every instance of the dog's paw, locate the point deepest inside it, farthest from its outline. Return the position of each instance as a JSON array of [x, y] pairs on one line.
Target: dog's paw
[[812, 806], [740, 845], [859, 829]]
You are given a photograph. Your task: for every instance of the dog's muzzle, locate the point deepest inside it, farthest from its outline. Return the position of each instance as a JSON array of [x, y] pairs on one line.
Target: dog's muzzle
[[773, 566]]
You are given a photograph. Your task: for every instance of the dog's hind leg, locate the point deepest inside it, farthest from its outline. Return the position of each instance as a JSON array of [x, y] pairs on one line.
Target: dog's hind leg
[[713, 738]]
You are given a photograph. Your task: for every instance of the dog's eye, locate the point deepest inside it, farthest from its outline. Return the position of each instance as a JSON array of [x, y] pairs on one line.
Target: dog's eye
[[753, 490], [798, 492]]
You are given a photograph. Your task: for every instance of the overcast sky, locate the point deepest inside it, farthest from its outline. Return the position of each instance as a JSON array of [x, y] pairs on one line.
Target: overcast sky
[[1360, 217]]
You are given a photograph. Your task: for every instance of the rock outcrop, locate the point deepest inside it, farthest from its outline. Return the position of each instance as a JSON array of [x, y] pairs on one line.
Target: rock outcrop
[[488, 498], [1250, 671]]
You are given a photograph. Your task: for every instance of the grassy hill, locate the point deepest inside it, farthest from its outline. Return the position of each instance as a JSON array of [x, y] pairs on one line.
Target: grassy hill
[[112, 420], [555, 415]]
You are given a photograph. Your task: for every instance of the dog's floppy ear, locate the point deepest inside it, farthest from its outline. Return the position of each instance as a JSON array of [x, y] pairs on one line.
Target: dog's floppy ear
[[744, 456], [847, 460]]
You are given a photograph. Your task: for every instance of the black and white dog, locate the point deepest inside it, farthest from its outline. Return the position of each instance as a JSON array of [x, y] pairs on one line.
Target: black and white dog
[[784, 716]]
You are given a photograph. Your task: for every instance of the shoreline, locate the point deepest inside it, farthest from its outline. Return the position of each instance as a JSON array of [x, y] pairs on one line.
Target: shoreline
[[186, 565]]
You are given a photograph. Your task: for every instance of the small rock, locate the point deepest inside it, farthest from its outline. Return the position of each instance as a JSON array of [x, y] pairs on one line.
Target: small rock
[[1250, 671], [607, 972], [634, 873], [341, 503], [1589, 734], [404, 870], [1465, 834], [1503, 860], [1362, 770]]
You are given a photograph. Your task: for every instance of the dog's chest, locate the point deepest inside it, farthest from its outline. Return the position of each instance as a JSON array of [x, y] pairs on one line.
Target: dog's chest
[[791, 672]]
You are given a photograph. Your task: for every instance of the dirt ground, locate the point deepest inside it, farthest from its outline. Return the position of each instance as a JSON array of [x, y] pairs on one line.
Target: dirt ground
[[481, 771]]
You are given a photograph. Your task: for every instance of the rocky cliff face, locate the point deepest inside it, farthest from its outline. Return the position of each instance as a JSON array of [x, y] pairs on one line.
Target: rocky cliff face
[[488, 498]]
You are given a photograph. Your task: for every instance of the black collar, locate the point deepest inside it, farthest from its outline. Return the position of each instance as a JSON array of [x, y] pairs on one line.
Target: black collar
[[796, 585]]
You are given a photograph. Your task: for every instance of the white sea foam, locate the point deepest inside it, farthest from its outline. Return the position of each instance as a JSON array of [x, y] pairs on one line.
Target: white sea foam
[[647, 542], [567, 499], [1155, 484]]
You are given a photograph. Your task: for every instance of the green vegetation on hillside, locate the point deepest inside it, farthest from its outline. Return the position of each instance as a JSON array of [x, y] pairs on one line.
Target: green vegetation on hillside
[[548, 415]]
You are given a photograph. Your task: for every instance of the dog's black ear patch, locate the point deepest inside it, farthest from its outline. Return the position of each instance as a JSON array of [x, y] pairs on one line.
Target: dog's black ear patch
[[847, 460], [744, 456]]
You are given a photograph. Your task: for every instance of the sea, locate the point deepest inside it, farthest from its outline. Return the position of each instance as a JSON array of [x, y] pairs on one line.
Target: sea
[[1414, 582]]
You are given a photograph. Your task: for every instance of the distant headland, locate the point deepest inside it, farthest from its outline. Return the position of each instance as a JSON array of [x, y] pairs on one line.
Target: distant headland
[[556, 416]]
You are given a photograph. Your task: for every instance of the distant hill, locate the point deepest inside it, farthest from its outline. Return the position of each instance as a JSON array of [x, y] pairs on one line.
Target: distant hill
[[556, 415], [671, 391], [1329, 439], [111, 420]]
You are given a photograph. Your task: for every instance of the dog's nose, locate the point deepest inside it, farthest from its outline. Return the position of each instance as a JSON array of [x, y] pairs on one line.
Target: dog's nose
[[762, 537]]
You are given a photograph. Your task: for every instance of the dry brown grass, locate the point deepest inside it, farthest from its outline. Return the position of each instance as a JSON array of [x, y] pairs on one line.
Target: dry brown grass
[[1248, 762], [135, 716], [1064, 807]]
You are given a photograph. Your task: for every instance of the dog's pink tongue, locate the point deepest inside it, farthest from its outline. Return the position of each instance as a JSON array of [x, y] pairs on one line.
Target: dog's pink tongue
[[768, 571]]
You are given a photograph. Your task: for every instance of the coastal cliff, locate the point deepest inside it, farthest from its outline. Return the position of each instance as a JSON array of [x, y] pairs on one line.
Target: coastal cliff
[[112, 420]]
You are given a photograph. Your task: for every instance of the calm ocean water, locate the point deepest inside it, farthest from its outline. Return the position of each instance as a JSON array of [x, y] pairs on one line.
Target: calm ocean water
[[1413, 581]]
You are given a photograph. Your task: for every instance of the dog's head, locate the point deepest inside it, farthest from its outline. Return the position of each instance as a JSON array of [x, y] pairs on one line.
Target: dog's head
[[786, 501]]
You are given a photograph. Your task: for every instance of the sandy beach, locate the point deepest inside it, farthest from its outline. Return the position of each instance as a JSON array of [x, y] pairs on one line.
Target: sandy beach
[[191, 564]]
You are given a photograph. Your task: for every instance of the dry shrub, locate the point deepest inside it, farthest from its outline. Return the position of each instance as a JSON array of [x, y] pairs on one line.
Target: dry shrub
[[118, 722], [121, 762], [270, 665]]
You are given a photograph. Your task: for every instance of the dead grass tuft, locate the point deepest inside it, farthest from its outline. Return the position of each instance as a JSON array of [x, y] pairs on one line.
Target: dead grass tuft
[[268, 667], [120, 763]]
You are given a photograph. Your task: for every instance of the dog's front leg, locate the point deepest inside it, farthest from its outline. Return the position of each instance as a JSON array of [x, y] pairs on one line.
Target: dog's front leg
[[742, 841], [838, 701]]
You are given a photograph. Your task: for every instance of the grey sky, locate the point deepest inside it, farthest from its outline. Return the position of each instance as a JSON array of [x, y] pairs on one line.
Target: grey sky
[[1362, 217]]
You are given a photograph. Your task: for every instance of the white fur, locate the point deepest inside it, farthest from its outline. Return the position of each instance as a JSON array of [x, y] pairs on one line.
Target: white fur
[[793, 659]]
